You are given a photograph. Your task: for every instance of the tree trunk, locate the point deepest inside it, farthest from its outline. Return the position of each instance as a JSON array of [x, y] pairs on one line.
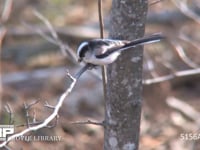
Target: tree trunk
[[124, 78]]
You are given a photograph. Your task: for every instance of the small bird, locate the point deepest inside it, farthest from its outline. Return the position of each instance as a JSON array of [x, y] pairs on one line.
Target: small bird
[[100, 52]]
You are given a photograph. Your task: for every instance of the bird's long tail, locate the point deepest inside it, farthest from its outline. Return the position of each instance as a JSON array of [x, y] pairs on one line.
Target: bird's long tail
[[141, 41], [144, 40]]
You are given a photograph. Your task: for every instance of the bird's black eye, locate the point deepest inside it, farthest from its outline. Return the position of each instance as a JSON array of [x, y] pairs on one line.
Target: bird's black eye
[[84, 49]]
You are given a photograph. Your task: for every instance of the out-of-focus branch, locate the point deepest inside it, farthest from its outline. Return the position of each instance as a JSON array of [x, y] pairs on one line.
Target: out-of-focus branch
[[150, 65], [89, 122], [27, 108], [153, 2], [183, 7], [2, 35], [65, 49], [6, 10], [172, 76], [184, 108], [10, 112], [185, 38], [4, 17], [180, 51]]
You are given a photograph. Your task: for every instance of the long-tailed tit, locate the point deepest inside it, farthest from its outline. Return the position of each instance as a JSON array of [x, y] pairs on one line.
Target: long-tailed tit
[[106, 51]]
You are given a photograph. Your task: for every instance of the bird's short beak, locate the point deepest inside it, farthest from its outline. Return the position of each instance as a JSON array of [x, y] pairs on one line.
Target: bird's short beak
[[80, 59]]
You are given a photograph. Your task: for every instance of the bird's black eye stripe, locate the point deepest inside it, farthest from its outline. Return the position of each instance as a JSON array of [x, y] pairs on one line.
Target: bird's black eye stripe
[[84, 50]]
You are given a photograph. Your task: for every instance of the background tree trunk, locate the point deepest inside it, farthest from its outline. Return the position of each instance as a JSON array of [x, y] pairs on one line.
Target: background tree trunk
[[124, 84]]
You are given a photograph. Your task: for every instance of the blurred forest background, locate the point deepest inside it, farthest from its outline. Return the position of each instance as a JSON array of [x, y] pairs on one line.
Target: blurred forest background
[[34, 69]]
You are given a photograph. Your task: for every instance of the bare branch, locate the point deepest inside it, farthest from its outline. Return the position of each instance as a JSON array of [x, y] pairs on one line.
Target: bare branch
[[185, 38], [166, 64], [48, 119], [31, 104], [172, 76], [49, 106], [30, 124], [89, 122], [100, 19], [41, 32], [150, 65], [101, 25], [54, 125], [26, 108], [34, 116], [184, 108], [179, 49], [2, 35], [9, 110], [65, 49], [50, 27], [26, 114], [6, 10], [183, 7], [83, 69], [154, 2]]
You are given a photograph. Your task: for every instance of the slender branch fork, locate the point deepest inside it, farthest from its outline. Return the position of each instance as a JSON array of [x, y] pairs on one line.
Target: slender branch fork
[[48, 119]]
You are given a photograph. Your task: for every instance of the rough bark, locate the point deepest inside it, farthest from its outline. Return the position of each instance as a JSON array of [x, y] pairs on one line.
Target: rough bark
[[124, 85]]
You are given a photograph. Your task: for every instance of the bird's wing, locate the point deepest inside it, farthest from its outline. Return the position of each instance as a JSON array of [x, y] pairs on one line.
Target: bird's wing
[[141, 41], [106, 45]]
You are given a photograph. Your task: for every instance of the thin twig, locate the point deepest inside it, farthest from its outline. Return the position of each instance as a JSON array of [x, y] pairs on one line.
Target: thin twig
[[49, 106], [89, 122], [26, 108], [32, 103], [180, 51], [6, 10], [172, 76], [48, 119], [183, 7], [49, 26], [166, 64], [83, 69], [155, 2], [26, 114], [184, 108], [34, 116], [101, 25], [65, 49], [9, 110], [30, 124], [2, 35], [185, 38]]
